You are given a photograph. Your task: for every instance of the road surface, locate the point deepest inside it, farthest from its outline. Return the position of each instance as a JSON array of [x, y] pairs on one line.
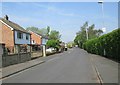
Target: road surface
[[72, 66]]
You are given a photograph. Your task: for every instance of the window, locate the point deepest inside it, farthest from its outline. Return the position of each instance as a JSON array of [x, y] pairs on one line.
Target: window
[[33, 41], [19, 35], [27, 37]]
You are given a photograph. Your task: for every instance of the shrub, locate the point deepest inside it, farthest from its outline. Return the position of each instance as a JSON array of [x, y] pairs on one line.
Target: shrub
[[107, 45], [53, 43]]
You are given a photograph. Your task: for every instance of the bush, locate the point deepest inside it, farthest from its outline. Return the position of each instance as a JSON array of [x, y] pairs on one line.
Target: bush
[[53, 43], [107, 45]]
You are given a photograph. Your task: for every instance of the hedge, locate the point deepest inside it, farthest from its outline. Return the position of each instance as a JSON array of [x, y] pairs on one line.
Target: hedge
[[107, 45]]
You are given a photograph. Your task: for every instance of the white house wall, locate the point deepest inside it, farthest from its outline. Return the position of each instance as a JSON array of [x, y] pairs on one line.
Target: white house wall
[[22, 41]]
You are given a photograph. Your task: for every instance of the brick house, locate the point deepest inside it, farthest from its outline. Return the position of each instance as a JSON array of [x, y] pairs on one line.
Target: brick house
[[14, 36], [36, 41], [44, 40]]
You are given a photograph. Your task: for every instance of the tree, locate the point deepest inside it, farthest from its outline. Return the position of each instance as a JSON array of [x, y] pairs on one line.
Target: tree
[[81, 37], [99, 32], [93, 33], [70, 44], [55, 35], [34, 29], [48, 30], [43, 31], [54, 41]]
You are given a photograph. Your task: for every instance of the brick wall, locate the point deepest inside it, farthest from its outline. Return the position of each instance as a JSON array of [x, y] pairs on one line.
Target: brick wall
[[7, 37], [12, 59], [7, 60], [0, 32], [36, 38]]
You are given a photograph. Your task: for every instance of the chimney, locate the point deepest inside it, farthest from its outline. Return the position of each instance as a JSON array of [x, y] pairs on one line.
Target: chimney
[[6, 17]]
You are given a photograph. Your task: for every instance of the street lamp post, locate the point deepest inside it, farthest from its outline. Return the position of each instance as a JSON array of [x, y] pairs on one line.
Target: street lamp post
[[104, 29], [101, 2]]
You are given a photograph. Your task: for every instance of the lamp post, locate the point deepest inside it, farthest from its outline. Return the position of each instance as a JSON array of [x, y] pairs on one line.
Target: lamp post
[[101, 2]]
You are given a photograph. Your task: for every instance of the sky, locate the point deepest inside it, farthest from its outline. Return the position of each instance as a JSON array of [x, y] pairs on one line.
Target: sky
[[65, 17]]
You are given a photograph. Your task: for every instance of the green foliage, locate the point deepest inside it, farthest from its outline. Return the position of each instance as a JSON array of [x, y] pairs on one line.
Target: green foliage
[[53, 43], [43, 31], [81, 37], [48, 30], [107, 45], [55, 35], [70, 44], [34, 29], [92, 33]]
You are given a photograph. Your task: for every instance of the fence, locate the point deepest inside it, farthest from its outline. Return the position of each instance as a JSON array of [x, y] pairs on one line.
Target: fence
[[36, 54]]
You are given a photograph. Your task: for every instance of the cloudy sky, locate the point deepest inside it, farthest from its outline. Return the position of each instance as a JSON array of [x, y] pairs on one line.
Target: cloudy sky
[[66, 17]]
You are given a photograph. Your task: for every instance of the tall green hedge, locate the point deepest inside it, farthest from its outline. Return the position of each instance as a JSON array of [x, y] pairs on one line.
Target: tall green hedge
[[107, 45]]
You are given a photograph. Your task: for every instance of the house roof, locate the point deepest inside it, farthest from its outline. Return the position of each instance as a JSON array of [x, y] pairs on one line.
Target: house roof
[[14, 25], [43, 36]]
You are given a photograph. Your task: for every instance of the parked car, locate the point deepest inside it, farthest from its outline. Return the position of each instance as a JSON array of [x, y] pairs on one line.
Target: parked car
[[50, 50]]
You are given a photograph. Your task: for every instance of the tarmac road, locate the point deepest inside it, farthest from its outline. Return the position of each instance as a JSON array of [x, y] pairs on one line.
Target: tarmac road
[[72, 66]]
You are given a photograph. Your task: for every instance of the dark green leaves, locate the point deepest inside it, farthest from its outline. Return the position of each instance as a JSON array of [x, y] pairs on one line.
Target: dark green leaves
[[107, 45]]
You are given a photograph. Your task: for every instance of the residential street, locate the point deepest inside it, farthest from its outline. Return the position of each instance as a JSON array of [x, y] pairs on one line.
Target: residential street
[[72, 66]]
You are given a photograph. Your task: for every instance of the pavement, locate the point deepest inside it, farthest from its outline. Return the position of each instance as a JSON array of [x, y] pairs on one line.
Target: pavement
[[72, 66], [13, 69], [107, 68]]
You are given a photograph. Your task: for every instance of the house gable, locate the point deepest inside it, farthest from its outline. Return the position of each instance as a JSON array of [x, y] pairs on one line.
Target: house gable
[[6, 25], [7, 35], [35, 38], [13, 25]]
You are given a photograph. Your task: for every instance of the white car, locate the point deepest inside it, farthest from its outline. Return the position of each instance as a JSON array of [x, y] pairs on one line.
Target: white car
[[50, 50]]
